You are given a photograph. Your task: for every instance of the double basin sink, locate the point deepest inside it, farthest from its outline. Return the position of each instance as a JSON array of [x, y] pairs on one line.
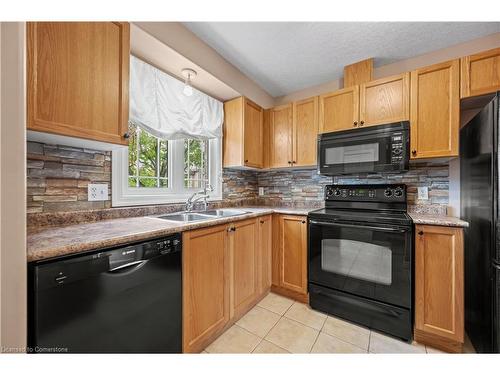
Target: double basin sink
[[187, 217]]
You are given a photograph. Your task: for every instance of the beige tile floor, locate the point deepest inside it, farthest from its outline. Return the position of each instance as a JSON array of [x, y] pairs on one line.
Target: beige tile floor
[[281, 325]]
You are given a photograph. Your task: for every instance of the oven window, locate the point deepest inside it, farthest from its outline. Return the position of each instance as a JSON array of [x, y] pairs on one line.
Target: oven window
[[359, 260], [363, 153]]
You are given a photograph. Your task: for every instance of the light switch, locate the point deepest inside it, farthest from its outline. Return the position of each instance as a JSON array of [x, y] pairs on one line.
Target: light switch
[[97, 192], [261, 191], [423, 193]]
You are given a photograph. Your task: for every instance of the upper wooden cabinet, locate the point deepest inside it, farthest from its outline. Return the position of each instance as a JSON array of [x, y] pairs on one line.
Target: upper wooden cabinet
[[243, 134], [435, 110], [305, 132], [281, 132], [480, 73], [339, 110], [439, 288], [385, 100], [205, 286], [376, 102], [78, 79]]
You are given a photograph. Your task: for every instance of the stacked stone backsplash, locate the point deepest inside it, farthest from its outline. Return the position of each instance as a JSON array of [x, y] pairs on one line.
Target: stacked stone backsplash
[[305, 187], [57, 177]]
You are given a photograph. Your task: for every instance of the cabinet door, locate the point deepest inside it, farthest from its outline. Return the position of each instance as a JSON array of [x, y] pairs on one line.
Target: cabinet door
[[385, 100], [305, 132], [439, 285], [244, 266], [435, 110], [205, 271], [281, 136], [339, 110], [480, 73], [253, 138], [78, 79], [265, 247], [293, 253]]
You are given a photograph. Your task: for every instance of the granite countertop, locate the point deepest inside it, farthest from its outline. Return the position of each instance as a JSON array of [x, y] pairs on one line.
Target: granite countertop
[[48, 243], [448, 221]]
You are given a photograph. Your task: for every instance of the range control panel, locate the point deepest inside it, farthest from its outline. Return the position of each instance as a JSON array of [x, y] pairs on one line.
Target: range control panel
[[363, 193]]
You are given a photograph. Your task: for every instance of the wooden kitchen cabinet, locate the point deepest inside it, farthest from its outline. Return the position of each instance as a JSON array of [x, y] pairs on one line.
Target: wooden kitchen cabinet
[[78, 79], [385, 100], [244, 263], [339, 110], [205, 278], [435, 110], [243, 134], [305, 132], [480, 73], [281, 132], [439, 287], [265, 248], [290, 257]]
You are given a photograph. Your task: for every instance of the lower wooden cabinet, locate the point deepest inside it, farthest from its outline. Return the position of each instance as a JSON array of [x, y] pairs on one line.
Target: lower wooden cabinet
[[439, 287], [244, 266], [290, 256], [205, 276], [265, 247]]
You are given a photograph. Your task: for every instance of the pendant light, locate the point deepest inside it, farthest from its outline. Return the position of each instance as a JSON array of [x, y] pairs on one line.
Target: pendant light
[[189, 75]]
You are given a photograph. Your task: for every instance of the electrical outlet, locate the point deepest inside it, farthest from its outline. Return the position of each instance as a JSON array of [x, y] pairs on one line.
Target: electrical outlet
[[423, 193], [97, 192], [261, 191]]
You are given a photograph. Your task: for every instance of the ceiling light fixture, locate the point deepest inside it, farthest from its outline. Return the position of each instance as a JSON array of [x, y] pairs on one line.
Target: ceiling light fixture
[[189, 75]]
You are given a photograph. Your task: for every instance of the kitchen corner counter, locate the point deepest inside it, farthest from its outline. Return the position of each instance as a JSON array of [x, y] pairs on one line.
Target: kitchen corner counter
[[448, 221], [53, 242]]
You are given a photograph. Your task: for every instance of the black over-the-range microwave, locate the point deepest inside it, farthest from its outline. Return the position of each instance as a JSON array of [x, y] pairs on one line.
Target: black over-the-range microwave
[[382, 148]]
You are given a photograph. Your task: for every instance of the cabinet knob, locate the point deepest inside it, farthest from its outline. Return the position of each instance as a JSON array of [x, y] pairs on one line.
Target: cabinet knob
[[355, 123], [289, 162], [246, 160], [294, 162], [262, 221], [420, 233], [303, 221], [362, 123], [414, 152], [126, 135]]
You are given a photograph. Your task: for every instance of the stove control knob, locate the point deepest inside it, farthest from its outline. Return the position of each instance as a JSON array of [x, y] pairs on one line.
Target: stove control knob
[[388, 192], [398, 192], [336, 192], [329, 192]]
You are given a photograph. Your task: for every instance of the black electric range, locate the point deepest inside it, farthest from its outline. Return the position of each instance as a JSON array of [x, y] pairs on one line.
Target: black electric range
[[361, 257]]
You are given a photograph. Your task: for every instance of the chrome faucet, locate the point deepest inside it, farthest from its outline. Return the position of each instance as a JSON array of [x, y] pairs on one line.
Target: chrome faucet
[[195, 197]]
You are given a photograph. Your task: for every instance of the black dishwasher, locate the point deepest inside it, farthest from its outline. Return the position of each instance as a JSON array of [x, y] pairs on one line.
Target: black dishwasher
[[118, 300]]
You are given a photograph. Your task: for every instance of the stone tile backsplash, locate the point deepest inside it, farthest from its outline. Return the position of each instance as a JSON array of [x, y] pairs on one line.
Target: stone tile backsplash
[[58, 177]]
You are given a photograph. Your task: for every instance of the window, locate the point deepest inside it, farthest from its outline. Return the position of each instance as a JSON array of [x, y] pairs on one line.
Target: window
[[156, 171]]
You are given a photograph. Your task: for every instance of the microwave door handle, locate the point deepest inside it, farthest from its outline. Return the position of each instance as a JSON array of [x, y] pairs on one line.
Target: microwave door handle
[[381, 229]]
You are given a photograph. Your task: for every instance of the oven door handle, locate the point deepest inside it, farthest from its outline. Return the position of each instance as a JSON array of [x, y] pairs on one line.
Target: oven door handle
[[381, 229]]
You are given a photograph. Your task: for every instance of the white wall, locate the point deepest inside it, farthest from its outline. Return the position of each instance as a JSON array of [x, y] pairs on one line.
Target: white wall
[[13, 286]]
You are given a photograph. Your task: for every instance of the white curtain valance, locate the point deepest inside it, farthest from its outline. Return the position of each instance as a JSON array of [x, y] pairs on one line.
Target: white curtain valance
[[159, 106]]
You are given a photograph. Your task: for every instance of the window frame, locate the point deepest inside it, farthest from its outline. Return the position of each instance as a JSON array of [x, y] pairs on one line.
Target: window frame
[[124, 195]]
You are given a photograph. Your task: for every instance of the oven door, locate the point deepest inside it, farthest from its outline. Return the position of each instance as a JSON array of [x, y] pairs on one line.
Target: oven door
[[366, 150], [373, 261]]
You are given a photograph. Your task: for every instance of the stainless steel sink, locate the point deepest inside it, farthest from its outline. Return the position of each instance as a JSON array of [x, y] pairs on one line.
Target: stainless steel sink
[[224, 212], [187, 217]]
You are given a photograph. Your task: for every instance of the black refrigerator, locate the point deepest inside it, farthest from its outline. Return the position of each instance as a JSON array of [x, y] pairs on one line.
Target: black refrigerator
[[479, 206]]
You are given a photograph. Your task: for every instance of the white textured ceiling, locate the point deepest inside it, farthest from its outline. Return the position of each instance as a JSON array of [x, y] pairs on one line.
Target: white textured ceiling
[[283, 57]]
